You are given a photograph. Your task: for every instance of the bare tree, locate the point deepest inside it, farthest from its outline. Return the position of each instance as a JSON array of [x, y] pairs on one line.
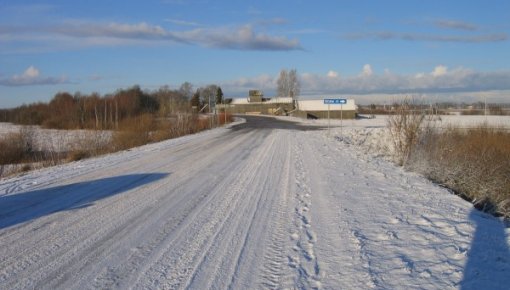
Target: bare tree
[[283, 88], [288, 84], [294, 85], [186, 90], [208, 95]]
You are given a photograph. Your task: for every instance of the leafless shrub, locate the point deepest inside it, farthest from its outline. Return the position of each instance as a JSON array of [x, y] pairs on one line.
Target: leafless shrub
[[134, 132], [13, 149], [93, 142], [405, 129], [17, 147]]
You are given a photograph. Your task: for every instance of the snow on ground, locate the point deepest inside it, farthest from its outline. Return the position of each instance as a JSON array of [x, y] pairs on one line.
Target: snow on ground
[[371, 136], [264, 204], [58, 140]]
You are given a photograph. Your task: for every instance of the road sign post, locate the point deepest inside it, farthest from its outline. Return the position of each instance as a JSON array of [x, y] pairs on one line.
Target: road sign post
[[340, 102], [341, 119], [328, 120]]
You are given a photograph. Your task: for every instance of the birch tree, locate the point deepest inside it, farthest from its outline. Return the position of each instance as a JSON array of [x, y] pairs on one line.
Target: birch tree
[[288, 84]]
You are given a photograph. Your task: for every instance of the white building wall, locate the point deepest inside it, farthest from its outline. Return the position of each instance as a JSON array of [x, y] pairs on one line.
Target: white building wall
[[318, 105], [276, 100], [240, 101]]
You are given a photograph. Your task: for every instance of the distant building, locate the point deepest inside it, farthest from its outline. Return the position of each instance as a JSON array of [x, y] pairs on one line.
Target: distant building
[[255, 96], [316, 109], [255, 103]]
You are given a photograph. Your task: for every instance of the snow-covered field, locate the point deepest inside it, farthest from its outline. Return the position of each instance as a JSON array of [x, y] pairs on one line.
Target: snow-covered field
[[58, 140], [370, 136], [264, 204]]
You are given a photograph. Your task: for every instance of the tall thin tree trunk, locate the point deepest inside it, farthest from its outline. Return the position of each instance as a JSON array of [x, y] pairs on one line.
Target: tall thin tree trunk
[[105, 113], [97, 117], [116, 115], [111, 116]]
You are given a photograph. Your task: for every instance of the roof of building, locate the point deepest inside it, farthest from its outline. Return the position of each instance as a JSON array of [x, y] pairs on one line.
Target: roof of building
[[240, 101], [280, 100], [245, 101]]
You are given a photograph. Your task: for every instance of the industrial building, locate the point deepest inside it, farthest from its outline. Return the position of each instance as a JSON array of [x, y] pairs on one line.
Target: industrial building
[[255, 103], [316, 109]]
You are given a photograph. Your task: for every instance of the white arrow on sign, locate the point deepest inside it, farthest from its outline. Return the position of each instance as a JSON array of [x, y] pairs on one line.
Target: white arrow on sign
[[335, 101]]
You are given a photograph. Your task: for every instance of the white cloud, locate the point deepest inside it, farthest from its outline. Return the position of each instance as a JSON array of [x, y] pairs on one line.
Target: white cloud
[[31, 76], [332, 74], [440, 81], [439, 70], [367, 70], [242, 85], [30, 72]]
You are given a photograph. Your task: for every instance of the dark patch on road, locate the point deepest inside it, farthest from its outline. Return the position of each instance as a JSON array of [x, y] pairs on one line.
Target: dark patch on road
[[270, 123]]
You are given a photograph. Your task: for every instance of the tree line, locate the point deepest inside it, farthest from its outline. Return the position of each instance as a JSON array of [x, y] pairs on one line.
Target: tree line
[[93, 111]]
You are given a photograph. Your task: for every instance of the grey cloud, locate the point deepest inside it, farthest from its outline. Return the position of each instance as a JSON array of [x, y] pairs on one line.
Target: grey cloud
[[272, 21], [240, 38], [16, 82], [182, 22], [453, 24], [307, 31], [387, 35], [453, 38], [243, 38], [141, 31]]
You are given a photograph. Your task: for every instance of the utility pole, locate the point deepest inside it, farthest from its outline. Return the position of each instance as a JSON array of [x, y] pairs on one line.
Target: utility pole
[[209, 109], [329, 122], [225, 110], [485, 109], [341, 119]]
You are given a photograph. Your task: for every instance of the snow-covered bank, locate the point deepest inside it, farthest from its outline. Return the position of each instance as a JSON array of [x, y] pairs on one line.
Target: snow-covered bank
[[275, 205]]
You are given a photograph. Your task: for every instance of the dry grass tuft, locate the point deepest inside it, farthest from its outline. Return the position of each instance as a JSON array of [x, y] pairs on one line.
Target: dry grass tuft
[[18, 148], [13, 149], [475, 163], [134, 132]]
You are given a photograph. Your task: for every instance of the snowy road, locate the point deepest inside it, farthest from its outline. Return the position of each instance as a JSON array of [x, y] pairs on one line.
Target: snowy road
[[264, 204]]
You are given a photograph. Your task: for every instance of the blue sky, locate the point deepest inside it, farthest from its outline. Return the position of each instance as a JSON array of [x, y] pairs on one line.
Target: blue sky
[[368, 50]]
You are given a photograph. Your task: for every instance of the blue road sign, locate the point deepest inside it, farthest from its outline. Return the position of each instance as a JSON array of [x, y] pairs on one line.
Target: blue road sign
[[335, 101]]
